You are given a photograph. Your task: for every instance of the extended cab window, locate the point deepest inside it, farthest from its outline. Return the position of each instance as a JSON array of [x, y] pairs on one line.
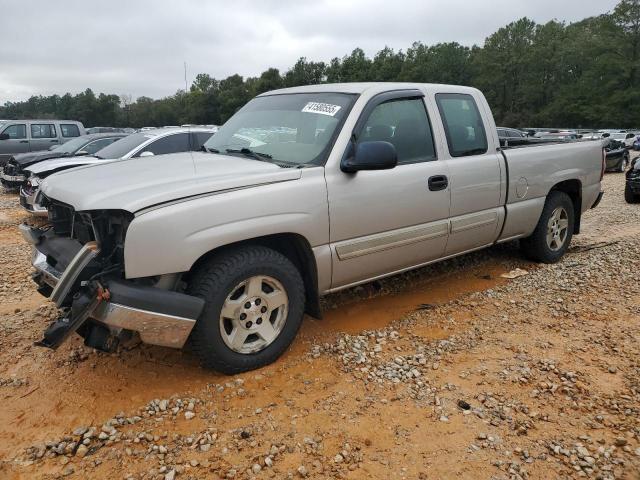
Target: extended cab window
[[44, 130], [16, 132], [69, 130], [175, 143], [405, 124], [462, 124]]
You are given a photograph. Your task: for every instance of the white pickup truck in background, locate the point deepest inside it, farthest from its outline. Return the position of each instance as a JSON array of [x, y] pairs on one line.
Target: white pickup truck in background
[[303, 192]]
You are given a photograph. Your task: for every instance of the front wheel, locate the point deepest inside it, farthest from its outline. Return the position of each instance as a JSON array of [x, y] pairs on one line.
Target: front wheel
[[254, 304], [550, 240]]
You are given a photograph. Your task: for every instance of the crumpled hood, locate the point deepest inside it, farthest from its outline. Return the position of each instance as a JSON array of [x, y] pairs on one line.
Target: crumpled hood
[[139, 183], [48, 166], [29, 158]]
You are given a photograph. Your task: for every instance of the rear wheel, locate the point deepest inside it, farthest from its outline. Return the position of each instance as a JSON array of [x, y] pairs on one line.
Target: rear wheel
[[629, 196], [254, 307], [550, 240], [623, 164]]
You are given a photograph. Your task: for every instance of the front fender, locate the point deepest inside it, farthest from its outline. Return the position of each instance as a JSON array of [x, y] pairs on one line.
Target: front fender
[[170, 239]]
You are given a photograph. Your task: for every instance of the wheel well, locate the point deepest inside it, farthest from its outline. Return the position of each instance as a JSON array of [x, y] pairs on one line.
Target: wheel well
[[293, 246], [573, 188]]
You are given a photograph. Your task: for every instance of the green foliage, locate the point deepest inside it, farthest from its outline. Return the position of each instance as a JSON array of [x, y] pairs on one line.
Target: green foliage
[[585, 74]]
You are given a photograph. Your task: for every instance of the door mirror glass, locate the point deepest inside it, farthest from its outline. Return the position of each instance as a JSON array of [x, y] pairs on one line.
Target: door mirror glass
[[375, 155], [4, 136], [146, 153]]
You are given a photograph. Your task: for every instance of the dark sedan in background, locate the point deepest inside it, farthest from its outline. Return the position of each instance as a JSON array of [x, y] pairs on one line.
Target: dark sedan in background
[[632, 185], [617, 155], [12, 176]]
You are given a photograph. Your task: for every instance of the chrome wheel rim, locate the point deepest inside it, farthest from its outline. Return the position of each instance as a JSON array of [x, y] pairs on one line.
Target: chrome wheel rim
[[557, 229], [253, 314]]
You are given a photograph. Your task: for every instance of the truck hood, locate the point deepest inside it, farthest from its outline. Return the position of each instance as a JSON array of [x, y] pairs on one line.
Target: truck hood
[[29, 158], [138, 183], [46, 167]]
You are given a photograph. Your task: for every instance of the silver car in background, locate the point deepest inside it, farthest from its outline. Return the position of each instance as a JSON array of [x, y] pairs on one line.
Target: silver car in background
[[160, 141], [21, 136]]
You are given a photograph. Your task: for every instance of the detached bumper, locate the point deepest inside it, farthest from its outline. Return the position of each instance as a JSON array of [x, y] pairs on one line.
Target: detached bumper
[[161, 317], [11, 181]]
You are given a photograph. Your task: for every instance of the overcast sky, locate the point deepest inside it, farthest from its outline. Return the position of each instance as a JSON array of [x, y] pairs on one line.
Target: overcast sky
[[138, 47]]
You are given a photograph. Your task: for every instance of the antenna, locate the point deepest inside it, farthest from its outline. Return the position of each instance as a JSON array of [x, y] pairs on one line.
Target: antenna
[[185, 77]]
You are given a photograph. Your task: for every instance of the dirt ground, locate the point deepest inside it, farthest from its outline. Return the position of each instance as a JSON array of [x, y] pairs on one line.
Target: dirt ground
[[450, 371]]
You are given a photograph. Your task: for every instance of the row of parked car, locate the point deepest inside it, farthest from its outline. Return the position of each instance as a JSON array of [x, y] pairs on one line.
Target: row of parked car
[[25, 170], [616, 143]]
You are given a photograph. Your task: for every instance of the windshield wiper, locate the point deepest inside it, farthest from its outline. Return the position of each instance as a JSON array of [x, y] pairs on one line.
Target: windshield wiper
[[250, 153]]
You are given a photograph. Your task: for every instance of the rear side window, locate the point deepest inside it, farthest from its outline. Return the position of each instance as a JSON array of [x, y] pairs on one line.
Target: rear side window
[[69, 130], [462, 124], [16, 131], [43, 130], [405, 124], [96, 145], [175, 143], [199, 139]]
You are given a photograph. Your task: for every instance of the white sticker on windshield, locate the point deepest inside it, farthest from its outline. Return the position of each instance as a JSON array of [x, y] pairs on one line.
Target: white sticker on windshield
[[321, 108]]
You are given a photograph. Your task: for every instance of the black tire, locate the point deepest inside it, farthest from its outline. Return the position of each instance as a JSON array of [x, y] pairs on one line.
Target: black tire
[[629, 196], [624, 163], [214, 281], [535, 246]]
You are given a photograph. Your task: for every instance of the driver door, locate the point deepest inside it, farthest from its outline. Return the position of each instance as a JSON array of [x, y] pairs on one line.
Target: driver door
[[386, 221]]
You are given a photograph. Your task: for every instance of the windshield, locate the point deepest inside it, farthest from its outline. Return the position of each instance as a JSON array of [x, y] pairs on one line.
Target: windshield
[[122, 147], [293, 128]]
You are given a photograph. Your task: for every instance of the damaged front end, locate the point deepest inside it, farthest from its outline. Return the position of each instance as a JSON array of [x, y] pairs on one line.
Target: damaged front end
[[79, 264]]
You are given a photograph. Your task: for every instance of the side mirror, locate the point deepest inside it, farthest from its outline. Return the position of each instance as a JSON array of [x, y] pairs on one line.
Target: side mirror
[[81, 153], [147, 153], [53, 147], [4, 136], [371, 156]]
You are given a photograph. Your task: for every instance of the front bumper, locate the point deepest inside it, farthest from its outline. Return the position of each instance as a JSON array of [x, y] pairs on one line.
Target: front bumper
[[161, 317], [30, 201], [11, 181]]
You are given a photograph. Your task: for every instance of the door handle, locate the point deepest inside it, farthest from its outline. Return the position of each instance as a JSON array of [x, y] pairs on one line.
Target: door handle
[[24, 141], [438, 182], [54, 141]]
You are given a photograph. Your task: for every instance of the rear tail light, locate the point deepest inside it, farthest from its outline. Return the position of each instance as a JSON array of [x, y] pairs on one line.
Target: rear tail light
[[604, 163]]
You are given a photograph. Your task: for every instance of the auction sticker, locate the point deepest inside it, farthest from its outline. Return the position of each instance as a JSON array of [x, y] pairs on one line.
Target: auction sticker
[[321, 108]]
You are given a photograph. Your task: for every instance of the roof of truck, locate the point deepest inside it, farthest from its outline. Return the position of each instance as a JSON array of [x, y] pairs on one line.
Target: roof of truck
[[361, 87]]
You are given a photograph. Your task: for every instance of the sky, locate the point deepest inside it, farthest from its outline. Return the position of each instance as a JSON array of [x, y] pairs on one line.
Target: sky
[[139, 47]]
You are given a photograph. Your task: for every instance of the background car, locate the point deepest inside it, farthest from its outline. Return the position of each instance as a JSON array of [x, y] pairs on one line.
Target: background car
[[511, 137], [628, 138], [159, 141], [21, 136], [632, 184], [617, 155], [12, 176]]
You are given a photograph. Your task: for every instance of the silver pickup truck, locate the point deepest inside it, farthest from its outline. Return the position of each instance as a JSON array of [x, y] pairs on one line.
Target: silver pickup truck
[[303, 192]]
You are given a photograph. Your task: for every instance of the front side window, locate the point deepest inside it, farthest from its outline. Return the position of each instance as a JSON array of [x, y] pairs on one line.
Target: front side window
[[16, 132], [44, 130], [462, 124], [294, 129], [199, 139], [405, 124], [170, 144], [123, 146], [69, 130]]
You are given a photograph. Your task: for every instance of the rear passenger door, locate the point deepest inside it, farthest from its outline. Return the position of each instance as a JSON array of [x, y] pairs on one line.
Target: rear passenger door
[[389, 220], [475, 174], [43, 136]]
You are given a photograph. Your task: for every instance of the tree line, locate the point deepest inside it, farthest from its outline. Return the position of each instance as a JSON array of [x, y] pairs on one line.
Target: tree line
[[584, 75]]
